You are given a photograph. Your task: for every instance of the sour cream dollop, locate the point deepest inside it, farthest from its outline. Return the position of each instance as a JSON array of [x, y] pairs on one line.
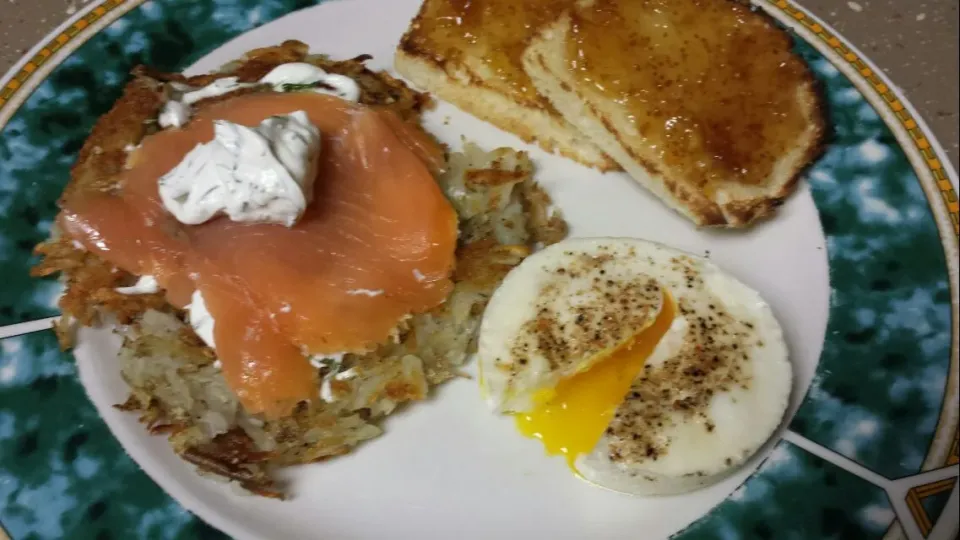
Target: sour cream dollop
[[260, 174], [289, 77], [200, 319], [303, 76], [144, 285], [177, 111]]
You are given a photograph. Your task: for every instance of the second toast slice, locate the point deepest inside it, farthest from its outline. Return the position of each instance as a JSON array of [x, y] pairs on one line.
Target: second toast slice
[[701, 101]]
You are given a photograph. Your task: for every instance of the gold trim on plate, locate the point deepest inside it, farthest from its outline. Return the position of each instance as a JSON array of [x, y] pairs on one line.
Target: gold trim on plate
[[53, 45], [893, 103]]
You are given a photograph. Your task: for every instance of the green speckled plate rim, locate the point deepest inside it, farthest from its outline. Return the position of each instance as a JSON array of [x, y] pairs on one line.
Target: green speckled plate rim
[[803, 445]]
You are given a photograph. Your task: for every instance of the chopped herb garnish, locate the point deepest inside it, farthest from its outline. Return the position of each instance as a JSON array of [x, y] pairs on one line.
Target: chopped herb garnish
[[299, 87], [291, 87]]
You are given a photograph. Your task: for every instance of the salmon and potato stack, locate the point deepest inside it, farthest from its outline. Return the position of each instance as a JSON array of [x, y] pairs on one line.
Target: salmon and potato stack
[[322, 327]]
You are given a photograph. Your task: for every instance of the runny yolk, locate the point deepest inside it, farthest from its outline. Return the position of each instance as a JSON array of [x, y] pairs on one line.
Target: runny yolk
[[581, 407]]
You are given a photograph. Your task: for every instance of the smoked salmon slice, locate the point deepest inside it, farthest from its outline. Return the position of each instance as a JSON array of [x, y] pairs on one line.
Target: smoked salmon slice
[[375, 246]]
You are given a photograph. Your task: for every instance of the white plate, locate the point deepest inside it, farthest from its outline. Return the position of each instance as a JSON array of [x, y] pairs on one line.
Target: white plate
[[448, 467]]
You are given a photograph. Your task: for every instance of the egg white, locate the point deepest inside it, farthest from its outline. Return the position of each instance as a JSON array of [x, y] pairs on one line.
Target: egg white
[[651, 446]]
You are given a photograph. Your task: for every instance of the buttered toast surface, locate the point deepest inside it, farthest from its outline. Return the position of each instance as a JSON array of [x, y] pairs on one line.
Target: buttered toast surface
[[470, 54], [701, 101]]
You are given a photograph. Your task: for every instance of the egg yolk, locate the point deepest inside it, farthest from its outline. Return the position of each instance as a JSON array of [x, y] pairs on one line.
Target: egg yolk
[[572, 418]]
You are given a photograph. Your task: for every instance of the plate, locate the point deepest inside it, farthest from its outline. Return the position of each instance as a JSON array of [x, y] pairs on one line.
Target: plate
[[860, 267]]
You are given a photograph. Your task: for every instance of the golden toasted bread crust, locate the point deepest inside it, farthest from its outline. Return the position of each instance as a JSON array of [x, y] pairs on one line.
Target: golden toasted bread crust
[[748, 211], [745, 212], [443, 73]]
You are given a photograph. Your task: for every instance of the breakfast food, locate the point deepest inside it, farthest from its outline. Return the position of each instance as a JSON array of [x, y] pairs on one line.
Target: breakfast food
[[289, 255], [469, 53], [649, 369], [700, 101]]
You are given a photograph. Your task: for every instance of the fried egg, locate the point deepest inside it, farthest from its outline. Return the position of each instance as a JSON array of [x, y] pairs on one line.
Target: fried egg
[[650, 370]]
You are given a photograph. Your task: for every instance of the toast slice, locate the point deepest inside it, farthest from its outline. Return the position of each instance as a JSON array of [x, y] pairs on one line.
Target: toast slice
[[702, 102], [469, 53]]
